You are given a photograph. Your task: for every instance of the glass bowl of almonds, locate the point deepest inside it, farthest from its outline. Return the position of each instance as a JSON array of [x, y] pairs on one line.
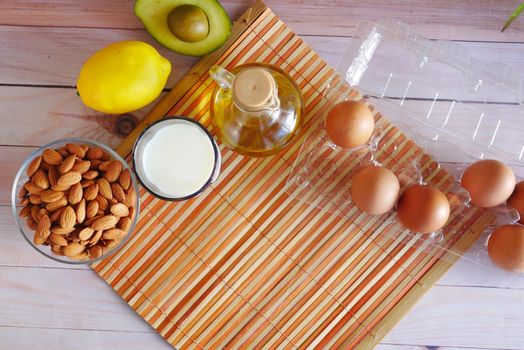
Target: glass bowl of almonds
[[75, 201]]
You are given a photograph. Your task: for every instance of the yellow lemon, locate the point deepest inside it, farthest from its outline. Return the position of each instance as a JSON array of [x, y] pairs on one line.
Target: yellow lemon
[[123, 77]]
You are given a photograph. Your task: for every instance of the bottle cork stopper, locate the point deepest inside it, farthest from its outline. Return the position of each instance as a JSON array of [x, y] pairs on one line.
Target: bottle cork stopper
[[253, 88]]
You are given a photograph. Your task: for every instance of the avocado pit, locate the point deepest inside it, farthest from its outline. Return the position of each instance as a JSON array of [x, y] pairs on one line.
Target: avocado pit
[[188, 23]]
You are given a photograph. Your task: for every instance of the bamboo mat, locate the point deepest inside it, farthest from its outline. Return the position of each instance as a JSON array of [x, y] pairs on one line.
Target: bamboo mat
[[246, 265]]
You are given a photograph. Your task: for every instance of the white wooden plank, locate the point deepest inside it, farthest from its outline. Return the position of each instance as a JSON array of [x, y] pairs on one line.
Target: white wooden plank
[[16, 251], [478, 20], [447, 316], [52, 339], [400, 347], [36, 116], [11, 159], [60, 298], [382, 346], [464, 317], [54, 56]]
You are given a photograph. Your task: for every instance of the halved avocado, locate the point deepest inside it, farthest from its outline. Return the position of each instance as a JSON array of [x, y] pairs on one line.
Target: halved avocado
[[189, 27]]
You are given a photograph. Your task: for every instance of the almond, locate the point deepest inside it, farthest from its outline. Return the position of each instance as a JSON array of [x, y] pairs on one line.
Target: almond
[[31, 223], [61, 187], [105, 156], [53, 176], [118, 192], [130, 197], [76, 150], [94, 153], [40, 179], [57, 230], [63, 152], [124, 224], [35, 199], [104, 188], [86, 233], [33, 166], [125, 179], [81, 211], [56, 215], [50, 196], [110, 244], [84, 147], [113, 234], [67, 164], [68, 218], [96, 237], [91, 192], [90, 221], [102, 202], [57, 250], [95, 164], [70, 178], [91, 209], [95, 252], [34, 212], [73, 249], [52, 207], [22, 192], [104, 165], [90, 175], [81, 166], [80, 257], [119, 209], [87, 183], [32, 188], [25, 211], [24, 202], [42, 230], [58, 240], [104, 223], [132, 212], [45, 166], [42, 212], [113, 171], [75, 194], [52, 157]]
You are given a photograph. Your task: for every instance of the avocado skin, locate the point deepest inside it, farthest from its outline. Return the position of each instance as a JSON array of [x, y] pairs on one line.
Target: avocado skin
[[154, 13]]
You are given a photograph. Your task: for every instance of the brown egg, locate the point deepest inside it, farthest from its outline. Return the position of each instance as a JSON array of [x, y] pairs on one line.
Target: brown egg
[[517, 200], [423, 209], [489, 182], [375, 190], [350, 124], [506, 247]]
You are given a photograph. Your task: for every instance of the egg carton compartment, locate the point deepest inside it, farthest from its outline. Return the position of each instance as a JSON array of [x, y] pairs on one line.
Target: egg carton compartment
[[438, 83], [456, 109]]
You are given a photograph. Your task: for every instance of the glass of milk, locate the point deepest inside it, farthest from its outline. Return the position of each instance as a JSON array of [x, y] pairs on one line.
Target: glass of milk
[[176, 158]]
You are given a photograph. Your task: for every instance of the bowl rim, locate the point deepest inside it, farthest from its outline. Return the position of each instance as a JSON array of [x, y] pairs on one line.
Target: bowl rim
[[21, 171], [216, 151]]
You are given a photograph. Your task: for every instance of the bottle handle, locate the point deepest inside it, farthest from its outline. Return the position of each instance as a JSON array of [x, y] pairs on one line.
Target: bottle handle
[[222, 76]]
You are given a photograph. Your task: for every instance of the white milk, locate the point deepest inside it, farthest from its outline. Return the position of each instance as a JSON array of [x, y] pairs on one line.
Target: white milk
[[178, 159]]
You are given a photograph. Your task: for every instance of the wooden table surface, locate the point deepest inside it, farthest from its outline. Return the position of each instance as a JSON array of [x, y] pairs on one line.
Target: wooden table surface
[[45, 305]]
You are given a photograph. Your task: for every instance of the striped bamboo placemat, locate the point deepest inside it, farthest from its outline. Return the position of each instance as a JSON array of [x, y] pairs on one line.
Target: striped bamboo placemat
[[246, 265]]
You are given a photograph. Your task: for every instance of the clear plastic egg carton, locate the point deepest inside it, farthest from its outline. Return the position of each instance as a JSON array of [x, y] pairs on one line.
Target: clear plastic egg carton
[[455, 108]]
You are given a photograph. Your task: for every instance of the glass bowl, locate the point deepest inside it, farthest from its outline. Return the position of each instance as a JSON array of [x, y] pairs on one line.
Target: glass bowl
[[28, 233]]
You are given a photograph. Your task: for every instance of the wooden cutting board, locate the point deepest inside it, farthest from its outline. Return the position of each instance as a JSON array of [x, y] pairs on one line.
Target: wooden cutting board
[[246, 264]]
